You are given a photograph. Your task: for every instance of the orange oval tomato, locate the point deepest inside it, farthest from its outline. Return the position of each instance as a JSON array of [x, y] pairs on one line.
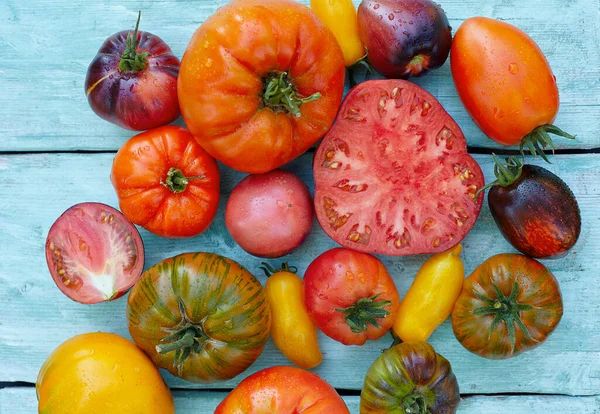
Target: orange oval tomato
[[503, 80], [166, 182], [97, 373], [283, 390], [260, 82]]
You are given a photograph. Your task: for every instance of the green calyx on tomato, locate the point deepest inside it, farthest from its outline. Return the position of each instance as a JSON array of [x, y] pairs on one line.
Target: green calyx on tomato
[[416, 403], [280, 94], [365, 311], [131, 59], [187, 337], [176, 181], [285, 267], [505, 309], [506, 174], [539, 139]]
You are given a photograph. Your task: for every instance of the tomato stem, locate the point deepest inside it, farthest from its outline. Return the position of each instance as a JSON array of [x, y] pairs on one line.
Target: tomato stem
[[280, 94], [505, 309], [506, 173], [176, 181], [415, 403], [364, 312], [270, 271], [131, 60], [539, 139], [360, 63]]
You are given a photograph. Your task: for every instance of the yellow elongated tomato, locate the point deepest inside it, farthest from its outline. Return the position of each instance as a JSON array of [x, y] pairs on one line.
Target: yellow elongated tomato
[[340, 17], [431, 297], [292, 330], [98, 373]]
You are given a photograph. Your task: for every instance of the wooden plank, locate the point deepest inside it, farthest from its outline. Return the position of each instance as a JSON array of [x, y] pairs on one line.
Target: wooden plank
[[45, 51], [36, 189], [23, 401]]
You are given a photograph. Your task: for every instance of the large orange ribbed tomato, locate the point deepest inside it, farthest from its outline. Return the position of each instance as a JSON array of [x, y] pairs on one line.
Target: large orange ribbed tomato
[[260, 82]]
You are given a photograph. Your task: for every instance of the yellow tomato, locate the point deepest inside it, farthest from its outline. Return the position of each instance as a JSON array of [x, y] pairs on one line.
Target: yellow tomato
[[98, 373], [292, 330], [340, 17], [432, 295]]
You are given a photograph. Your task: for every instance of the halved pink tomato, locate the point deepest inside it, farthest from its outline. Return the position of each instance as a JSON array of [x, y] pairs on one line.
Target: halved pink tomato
[[94, 254]]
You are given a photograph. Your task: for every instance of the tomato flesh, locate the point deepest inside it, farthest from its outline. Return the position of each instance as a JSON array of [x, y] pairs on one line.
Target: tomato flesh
[[93, 253], [393, 175]]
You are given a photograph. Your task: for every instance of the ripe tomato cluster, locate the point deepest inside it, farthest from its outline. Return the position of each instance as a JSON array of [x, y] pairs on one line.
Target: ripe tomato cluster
[[260, 83]]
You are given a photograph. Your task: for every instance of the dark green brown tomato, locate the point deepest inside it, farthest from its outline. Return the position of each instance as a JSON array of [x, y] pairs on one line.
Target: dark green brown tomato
[[538, 214], [410, 378], [404, 38]]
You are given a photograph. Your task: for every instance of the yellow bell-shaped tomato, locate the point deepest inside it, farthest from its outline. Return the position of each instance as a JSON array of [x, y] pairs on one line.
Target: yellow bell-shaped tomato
[[99, 373], [292, 330], [340, 17], [431, 297]]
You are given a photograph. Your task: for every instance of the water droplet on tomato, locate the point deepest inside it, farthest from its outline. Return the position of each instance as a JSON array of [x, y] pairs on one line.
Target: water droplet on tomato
[[280, 203], [379, 17], [513, 68], [208, 63], [375, 7], [391, 16], [410, 22], [132, 87]]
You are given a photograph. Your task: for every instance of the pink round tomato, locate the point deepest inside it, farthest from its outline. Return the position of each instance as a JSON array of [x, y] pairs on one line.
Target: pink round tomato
[[269, 215], [93, 253]]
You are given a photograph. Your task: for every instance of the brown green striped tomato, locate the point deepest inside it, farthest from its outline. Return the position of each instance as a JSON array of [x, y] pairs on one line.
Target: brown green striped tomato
[[410, 378], [201, 316]]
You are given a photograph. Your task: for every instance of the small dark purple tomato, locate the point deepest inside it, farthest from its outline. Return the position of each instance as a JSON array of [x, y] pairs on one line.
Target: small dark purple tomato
[[404, 38], [132, 81]]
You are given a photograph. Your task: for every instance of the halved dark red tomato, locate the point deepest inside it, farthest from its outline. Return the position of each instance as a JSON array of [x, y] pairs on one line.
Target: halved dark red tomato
[[393, 175], [94, 254]]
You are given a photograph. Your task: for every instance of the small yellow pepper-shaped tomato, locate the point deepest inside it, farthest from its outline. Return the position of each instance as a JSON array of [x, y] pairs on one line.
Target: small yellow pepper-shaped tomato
[[431, 297], [291, 328], [340, 17]]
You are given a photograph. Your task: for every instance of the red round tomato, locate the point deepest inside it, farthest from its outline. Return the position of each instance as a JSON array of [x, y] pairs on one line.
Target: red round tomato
[[350, 296], [260, 82], [393, 175], [269, 215], [93, 253], [166, 182], [505, 82], [132, 81], [283, 390]]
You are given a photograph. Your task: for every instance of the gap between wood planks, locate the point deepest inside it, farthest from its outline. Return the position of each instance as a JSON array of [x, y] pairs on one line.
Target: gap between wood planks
[[471, 150], [344, 392]]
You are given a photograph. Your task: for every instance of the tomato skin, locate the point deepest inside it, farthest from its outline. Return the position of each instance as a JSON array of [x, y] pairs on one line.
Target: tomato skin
[[98, 238], [271, 214], [283, 390], [503, 79], [537, 289], [340, 17], [398, 155], [338, 279], [226, 66], [407, 375], [95, 372], [431, 297], [401, 50], [292, 329], [538, 214], [134, 100], [225, 310], [141, 169]]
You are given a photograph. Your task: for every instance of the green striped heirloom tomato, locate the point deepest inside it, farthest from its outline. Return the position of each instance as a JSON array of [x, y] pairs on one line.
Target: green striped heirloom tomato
[[410, 378], [201, 316]]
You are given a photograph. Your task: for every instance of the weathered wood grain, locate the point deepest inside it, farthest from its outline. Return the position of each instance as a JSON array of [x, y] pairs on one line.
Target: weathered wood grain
[[36, 317], [45, 48], [23, 401]]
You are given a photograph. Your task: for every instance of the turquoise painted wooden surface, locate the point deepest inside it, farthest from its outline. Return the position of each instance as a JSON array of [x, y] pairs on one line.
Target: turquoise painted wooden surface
[[22, 401], [45, 48]]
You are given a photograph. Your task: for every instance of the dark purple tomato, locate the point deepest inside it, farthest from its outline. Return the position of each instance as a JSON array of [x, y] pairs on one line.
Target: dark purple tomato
[[269, 215], [404, 38], [537, 213], [132, 81]]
